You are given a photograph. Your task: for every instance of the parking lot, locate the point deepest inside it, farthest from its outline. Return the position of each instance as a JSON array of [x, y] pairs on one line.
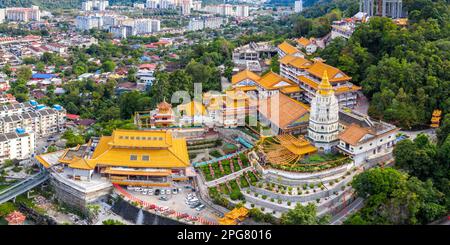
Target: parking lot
[[176, 202]]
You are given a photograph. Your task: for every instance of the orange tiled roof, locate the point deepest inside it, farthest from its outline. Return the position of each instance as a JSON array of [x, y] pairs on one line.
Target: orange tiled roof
[[337, 90], [303, 41], [287, 48], [272, 79], [244, 88], [288, 109], [334, 74], [297, 62], [291, 89], [245, 74], [353, 134]]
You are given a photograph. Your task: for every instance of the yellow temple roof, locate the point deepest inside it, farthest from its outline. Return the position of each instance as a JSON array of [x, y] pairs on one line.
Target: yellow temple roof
[[134, 149], [335, 75], [298, 146], [303, 41], [272, 81], [325, 87], [297, 62], [287, 48], [245, 74]]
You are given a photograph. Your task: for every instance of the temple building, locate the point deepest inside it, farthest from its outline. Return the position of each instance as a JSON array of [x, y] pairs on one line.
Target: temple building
[[86, 173], [365, 140], [164, 115], [356, 135], [287, 49], [128, 157], [283, 114], [308, 74], [265, 86], [324, 115]]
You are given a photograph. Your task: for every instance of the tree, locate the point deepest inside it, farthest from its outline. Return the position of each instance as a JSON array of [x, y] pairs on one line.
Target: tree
[[131, 102], [303, 215], [108, 66], [51, 148], [73, 139], [378, 180], [393, 197], [7, 69], [112, 222], [24, 73]]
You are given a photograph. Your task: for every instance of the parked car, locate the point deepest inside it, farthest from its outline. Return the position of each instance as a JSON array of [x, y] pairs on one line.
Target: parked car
[[163, 198], [157, 192], [168, 192], [201, 207], [195, 204], [163, 192], [175, 191], [144, 193], [193, 200]]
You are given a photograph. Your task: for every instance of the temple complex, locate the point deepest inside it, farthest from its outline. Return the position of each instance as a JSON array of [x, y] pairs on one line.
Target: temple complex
[[151, 158]]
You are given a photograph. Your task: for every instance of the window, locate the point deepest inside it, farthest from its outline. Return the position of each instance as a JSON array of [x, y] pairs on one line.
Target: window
[[132, 137], [145, 158], [138, 138], [160, 138], [133, 157], [120, 137], [126, 137]]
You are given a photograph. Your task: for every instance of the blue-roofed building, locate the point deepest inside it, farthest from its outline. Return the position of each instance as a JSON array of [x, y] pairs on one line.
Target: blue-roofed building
[[145, 58], [33, 103], [42, 76], [20, 131], [40, 107], [57, 107]]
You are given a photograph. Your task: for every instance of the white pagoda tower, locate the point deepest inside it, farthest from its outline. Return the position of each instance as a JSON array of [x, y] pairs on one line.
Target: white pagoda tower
[[323, 127]]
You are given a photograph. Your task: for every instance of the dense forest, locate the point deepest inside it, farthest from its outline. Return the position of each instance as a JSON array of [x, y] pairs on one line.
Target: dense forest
[[403, 70]]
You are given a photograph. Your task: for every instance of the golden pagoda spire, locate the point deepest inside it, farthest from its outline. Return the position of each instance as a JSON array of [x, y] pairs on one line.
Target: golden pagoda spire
[[325, 87]]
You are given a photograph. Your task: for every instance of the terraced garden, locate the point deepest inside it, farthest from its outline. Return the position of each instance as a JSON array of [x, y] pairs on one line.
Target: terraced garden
[[225, 167]]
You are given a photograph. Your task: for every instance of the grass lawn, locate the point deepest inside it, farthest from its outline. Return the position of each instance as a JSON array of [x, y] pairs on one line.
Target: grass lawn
[[244, 159], [217, 172], [215, 153], [226, 167], [252, 177], [234, 186], [236, 165], [224, 189], [206, 172], [244, 182], [213, 192]]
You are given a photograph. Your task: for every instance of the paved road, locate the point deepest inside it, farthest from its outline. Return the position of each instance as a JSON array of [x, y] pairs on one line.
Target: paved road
[[413, 134], [340, 217]]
